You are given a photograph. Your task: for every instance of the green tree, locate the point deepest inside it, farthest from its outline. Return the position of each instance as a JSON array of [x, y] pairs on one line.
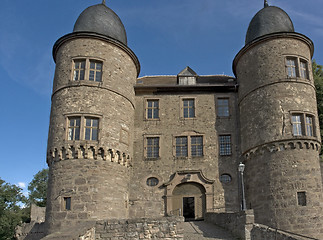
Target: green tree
[[38, 188], [318, 81], [11, 212]]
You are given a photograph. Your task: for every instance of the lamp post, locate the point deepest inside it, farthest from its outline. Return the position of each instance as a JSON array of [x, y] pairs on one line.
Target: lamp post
[[241, 168]]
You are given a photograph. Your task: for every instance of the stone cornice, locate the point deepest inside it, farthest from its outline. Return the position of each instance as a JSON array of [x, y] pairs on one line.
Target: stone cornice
[[87, 151], [283, 145]]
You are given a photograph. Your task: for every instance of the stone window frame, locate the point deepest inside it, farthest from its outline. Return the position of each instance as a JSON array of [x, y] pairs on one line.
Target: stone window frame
[[144, 181], [182, 99], [298, 68], [303, 123], [87, 69], [218, 107], [146, 147], [122, 139], [64, 205], [146, 100], [189, 136], [226, 153], [82, 117]]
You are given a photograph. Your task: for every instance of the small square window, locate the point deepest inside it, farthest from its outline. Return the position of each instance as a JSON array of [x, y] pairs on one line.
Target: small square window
[[303, 69], [225, 145], [188, 108], [301, 198], [152, 109], [223, 107], [95, 73], [297, 125], [309, 126], [67, 203], [74, 128], [91, 129], [79, 69]]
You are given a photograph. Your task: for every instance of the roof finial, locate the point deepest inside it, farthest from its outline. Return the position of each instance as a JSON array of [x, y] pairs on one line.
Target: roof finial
[[103, 2], [266, 3]]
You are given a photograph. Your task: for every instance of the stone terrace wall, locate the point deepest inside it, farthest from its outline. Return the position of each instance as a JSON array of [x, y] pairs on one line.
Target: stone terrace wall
[[159, 228], [239, 223], [266, 233]]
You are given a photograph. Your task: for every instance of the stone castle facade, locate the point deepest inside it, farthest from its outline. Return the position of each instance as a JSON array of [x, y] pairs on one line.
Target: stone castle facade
[[123, 147]]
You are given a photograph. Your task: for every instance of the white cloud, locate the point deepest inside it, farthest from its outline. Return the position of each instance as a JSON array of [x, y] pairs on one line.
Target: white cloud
[[21, 184]]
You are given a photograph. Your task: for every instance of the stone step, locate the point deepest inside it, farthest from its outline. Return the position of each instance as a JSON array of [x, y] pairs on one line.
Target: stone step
[[199, 230]]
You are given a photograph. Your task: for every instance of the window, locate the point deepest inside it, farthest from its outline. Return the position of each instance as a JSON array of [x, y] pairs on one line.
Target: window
[[225, 145], [303, 124], [291, 67], [225, 178], [152, 182], [87, 69], [91, 128], [188, 108], [303, 69], [181, 147], [83, 128], [196, 146], [297, 67], [152, 109], [301, 198], [186, 146], [223, 107], [74, 128], [152, 147], [67, 203]]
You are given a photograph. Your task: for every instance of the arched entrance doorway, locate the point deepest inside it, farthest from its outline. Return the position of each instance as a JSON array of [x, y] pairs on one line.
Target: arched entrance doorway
[[190, 199]]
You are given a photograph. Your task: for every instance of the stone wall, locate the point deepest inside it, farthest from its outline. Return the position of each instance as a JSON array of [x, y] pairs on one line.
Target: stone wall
[[266, 233], [159, 228], [239, 223]]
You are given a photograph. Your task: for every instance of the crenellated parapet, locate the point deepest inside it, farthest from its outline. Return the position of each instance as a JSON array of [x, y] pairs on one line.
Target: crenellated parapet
[[88, 151], [282, 146]]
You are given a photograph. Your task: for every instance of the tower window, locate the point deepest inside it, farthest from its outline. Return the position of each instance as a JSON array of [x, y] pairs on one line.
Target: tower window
[[82, 128], [223, 107], [225, 145], [188, 108], [152, 147], [301, 198], [67, 203], [303, 124], [291, 67], [87, 69], [297, 67], [152, 109]]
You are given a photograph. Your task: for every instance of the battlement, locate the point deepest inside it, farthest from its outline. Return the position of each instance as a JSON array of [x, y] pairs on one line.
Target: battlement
[[88, 151]]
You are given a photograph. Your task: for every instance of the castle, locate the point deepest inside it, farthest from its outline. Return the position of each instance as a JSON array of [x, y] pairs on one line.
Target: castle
[[123, 147]]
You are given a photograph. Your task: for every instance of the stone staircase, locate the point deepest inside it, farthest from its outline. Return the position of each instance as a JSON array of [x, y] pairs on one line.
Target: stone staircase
[[199, 230]]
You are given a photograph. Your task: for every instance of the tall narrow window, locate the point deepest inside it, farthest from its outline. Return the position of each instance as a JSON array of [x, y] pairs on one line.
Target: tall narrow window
[[91, 129], [188, 108], [181, 147], [95, 71], [152, 147], [79, 70], [291, 67], [74, 128], [225, 145], [152, 109], [309, 126], [303, 69], [67, 203], [297, 124], [301, 198], [223, 107], [196, 146]]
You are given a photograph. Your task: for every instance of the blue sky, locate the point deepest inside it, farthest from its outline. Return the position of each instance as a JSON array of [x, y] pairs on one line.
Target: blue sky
[[165, 35]]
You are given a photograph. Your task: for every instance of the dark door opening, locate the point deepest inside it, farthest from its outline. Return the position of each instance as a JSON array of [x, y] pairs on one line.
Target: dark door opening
[[188, 208]]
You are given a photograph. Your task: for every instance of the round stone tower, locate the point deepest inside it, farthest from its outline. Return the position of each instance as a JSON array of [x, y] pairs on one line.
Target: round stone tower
[[280, 138], [90, 143]]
